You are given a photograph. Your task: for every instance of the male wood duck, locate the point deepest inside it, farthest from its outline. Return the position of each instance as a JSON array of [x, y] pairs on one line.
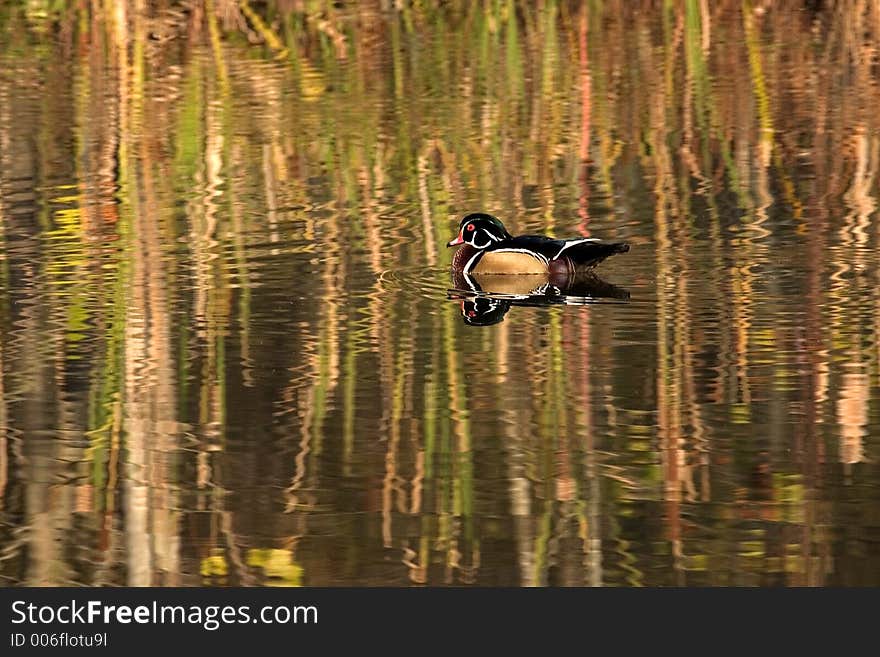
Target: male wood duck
[[489, 249]]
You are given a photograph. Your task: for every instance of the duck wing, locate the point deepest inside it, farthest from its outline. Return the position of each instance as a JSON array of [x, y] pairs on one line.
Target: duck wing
[[544, 248], [589, 252], [581, 252]]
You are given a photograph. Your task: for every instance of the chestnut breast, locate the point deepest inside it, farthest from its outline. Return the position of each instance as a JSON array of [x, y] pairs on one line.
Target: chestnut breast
[[462, 256]]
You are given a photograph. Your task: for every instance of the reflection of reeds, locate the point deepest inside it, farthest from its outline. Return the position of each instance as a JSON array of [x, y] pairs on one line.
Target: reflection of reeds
[[367, 130]]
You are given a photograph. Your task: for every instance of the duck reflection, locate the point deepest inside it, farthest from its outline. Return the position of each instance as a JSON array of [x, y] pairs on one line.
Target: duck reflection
[[487, 298]]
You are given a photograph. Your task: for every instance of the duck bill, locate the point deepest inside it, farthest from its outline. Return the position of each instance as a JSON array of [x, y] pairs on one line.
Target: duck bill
[[455, 242]]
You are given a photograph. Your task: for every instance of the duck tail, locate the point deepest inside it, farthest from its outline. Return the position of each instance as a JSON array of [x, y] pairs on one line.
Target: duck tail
[[618, 247], [590, 254]]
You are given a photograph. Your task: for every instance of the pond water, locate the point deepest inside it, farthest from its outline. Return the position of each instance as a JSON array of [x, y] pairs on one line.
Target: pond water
[[231, 350]]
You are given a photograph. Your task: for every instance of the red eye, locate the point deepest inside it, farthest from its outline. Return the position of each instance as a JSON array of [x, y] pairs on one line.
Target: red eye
[[470, 227]]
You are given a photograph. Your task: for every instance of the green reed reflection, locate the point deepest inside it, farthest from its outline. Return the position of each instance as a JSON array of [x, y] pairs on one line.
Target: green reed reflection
[[227, 355]]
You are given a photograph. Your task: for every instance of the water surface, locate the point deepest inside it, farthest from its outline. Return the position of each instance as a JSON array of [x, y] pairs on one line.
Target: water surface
[[228, 351]]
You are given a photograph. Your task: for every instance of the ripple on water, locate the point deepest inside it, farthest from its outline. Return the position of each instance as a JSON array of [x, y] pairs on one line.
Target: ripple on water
[[425, 282]]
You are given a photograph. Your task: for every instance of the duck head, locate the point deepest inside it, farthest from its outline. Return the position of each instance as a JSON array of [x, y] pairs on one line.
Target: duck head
[[479, 230]]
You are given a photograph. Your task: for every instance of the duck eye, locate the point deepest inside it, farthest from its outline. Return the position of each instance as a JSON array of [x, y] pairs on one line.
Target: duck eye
[[470, 227]]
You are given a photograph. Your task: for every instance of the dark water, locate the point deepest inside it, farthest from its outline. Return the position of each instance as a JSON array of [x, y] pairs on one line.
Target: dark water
[[228, 351]]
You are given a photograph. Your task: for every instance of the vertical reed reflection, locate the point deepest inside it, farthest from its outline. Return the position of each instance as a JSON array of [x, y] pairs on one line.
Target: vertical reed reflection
[[226, 353]]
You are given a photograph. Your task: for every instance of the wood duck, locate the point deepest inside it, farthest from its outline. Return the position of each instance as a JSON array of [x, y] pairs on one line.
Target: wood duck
[[489, 249]]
